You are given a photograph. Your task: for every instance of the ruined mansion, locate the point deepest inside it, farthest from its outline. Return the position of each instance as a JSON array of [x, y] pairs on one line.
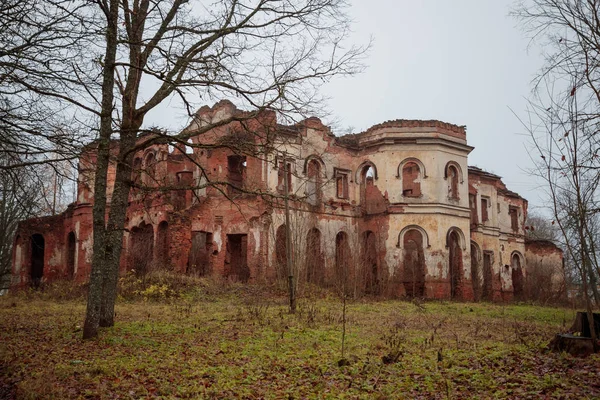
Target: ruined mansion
[[394, 210]]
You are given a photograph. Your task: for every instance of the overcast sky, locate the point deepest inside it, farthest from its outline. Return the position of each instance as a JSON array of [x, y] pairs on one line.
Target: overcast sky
[[462, 61]]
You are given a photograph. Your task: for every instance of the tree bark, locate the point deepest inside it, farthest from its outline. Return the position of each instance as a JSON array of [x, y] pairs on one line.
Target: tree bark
[[101, 246]]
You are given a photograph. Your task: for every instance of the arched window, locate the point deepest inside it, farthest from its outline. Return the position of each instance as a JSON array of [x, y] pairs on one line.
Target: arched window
[[452, 174], [313, 185], [411, 179], [367, 177], [150, 169], [136, 171]]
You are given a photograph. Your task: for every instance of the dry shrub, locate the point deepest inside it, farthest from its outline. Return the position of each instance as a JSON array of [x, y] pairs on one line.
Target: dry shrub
[[158, 285], [58, 290]]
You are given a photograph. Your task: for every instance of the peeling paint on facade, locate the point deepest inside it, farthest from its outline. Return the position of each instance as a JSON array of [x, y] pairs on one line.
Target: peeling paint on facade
[[367, 209]]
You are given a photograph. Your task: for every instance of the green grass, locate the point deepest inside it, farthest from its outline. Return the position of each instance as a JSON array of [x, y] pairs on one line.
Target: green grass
[[244, 344]]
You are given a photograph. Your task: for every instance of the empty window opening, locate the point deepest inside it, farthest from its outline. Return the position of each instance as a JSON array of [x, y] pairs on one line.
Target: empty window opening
[[136, 172], [487, 289], [200, 253], [341, 184], [514, 218], [284, 172], [71, 248], [473, 207], [414, 264], [370, 265], [455, 265], [281, 252], [343, 262], [189, 149], [236, 173], [476, 275], [314, 258], [313, 185], [485, 203], [38, 247], [367, 181], [517, 276], [141, 248], [150, 169], [411, 185], [236, 259], [162, 245], [452, 176]]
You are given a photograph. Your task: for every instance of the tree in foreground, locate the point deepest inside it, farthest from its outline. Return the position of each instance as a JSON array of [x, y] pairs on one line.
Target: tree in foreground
[[563, 120], [268, 54]]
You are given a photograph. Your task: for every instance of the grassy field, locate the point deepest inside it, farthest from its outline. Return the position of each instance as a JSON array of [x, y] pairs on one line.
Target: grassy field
[[242, 343]]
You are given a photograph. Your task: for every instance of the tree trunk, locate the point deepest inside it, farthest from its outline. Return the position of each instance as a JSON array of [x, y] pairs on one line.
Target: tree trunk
[[96, 287], [116, 224]]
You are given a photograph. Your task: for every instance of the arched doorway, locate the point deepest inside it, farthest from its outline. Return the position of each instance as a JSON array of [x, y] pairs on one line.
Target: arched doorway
[[487, 291], [342, 262], [455, 264], [414, 264], [314, 259], [369, 263], [162, 245], [38, 246], [281, 252], [517, 276], [141, 248], [71, 248], [476, 273]]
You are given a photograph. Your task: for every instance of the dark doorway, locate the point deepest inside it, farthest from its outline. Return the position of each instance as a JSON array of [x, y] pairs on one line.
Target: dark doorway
[[314, 259], [280, 252], [141, 248], [236, 173], [71, 248], [414, 264], [37, 259], [342, 262], [236, 261], [162, 245], [369, 263], [476, 272], [199, 258], [455, 265], [517, 277], [486, 292]]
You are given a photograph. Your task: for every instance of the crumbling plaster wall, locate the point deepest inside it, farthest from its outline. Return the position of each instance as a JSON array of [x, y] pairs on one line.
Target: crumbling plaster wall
[[379, 207]]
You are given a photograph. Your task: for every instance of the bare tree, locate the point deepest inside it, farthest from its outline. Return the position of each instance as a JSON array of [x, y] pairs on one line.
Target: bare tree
[[269, 54], [563, 122]]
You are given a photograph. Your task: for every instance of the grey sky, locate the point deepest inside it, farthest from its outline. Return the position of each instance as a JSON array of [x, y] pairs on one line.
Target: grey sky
[[462, 61]]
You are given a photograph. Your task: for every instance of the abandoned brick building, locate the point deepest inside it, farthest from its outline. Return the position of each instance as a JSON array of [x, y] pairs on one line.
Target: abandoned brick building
[[393, 210]]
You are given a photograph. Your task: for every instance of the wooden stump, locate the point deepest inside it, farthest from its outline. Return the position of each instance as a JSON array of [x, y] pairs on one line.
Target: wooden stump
[[577, 346]]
